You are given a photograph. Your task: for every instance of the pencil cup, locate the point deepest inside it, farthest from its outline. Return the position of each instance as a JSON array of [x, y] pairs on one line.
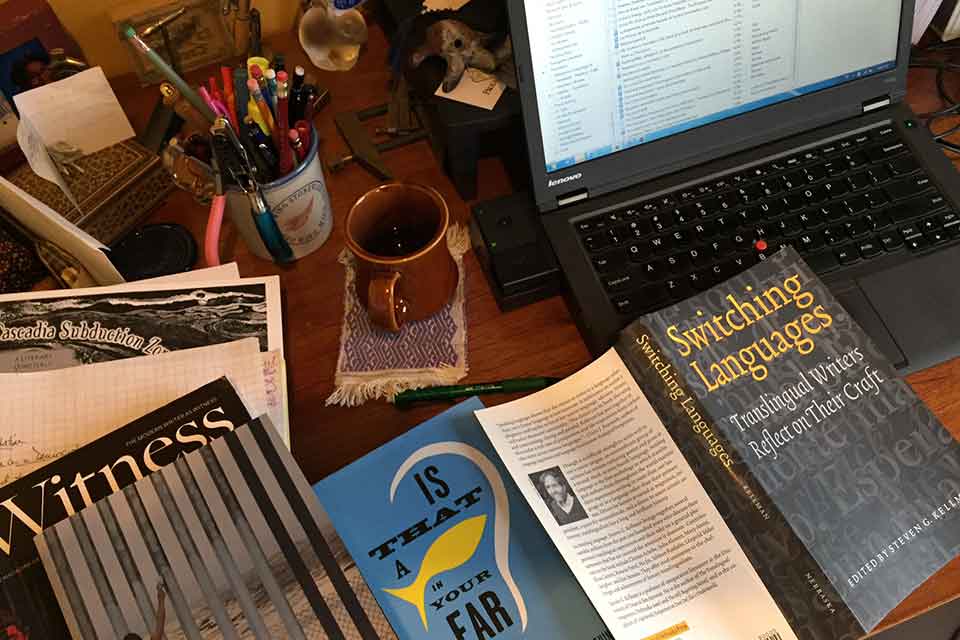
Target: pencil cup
[[300, 204]]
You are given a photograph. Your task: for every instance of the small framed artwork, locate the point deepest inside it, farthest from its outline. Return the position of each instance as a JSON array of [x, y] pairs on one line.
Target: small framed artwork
[[198, 38]]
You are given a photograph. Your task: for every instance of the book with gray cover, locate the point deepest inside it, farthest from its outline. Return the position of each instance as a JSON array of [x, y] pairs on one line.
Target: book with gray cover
[[745, 464]]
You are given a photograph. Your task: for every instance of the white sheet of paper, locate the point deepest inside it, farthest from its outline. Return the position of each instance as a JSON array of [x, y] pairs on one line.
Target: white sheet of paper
[[923, 13], [39, 160], [477, 88], [81, 110], [46, 422]]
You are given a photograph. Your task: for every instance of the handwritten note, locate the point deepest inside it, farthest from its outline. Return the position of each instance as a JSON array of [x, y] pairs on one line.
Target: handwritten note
[[50, 413], [275, 383], [477, 88]]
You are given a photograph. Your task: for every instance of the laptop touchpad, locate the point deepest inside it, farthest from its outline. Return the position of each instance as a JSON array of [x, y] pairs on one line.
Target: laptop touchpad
[[919, 303]]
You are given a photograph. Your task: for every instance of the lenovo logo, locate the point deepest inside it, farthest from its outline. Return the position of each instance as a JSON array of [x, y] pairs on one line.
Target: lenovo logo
[[559, 181]]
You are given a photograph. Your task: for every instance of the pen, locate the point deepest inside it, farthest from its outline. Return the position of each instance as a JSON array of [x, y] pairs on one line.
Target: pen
[[433, 394], [185, 89], [296, 94], [283, 147]]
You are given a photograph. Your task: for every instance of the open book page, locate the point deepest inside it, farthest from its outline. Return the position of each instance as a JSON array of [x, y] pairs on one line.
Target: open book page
[[627, 513]]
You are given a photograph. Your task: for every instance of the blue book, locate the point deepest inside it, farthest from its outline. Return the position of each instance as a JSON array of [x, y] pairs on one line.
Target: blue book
[[448, 544]]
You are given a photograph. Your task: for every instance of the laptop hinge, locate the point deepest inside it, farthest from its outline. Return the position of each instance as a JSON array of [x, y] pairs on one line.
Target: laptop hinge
[[876, 103], [574, 196]]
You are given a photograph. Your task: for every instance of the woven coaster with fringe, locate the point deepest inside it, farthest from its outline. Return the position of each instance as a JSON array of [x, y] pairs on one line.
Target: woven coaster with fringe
[[374, 363]]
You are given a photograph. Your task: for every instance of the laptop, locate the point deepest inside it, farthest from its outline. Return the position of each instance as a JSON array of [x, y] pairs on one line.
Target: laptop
[[673, 144]]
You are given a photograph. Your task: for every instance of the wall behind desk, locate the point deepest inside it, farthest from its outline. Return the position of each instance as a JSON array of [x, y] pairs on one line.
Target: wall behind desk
[[88, 21]]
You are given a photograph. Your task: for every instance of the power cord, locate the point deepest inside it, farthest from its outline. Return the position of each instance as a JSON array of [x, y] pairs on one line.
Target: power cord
[[921, 60]]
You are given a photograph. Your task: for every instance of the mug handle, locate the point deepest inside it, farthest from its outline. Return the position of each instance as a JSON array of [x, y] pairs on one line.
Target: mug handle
[[386, 308]]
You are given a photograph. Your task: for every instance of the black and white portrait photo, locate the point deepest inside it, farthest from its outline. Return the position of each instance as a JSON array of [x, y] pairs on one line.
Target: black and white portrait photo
[[556, 492]]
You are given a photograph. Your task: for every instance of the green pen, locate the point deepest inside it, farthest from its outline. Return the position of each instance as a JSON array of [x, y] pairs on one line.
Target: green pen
[[456, 392]]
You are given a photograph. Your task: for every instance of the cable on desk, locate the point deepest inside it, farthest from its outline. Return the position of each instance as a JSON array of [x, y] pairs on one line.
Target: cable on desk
[[952, 106]]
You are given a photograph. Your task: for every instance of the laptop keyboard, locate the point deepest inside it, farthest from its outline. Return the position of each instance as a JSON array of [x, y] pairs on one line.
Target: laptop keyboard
[[845, 202]]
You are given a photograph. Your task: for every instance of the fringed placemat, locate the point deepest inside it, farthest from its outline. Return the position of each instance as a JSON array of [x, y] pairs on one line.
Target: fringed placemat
[[375, 363]]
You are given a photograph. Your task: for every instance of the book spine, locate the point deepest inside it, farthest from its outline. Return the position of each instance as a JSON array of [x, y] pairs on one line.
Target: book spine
[[794, 579]]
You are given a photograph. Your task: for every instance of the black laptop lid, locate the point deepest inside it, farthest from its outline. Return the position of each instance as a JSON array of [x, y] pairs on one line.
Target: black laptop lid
[[617, 92]]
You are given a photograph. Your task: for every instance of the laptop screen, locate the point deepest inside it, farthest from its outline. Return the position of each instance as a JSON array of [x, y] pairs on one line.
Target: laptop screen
[[615, 74]]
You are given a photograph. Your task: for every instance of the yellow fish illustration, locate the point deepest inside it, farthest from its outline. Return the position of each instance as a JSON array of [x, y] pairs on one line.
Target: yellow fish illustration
[[447, 552]]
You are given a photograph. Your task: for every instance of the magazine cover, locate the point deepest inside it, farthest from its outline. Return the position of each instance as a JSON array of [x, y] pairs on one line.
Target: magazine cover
[[226, 542], [77, 480], [447, 543], [56, 329]]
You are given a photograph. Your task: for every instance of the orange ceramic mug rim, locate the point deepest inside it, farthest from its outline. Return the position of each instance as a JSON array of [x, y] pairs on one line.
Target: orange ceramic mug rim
[[372, 257]]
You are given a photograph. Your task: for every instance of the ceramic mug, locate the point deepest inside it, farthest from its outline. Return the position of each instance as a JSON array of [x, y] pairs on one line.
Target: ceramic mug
[[398, 233]]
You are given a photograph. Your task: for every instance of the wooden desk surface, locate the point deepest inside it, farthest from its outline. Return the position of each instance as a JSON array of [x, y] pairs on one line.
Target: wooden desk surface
[[536, 340]]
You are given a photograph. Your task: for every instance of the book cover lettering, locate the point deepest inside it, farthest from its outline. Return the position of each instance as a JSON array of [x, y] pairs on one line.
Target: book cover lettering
[[447, 543]]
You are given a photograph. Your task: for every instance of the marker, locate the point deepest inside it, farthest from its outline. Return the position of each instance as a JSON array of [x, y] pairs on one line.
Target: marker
[[433, 394], [227, 75], [166, 70], [297, 144], [240, 93], [296, 94]]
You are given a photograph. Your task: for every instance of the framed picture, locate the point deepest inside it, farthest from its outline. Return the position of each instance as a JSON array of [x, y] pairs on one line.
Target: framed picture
[[198, 38]]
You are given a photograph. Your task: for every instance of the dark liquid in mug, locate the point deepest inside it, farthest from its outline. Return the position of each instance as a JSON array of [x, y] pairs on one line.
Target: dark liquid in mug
[[394, 239]]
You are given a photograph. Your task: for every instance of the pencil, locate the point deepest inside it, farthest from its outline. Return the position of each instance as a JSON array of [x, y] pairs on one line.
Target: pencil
[[258, 98]]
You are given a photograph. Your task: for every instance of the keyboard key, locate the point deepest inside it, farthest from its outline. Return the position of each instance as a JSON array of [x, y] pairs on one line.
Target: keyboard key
[[878, 220], [881, 152], [658, 244], [870, 249], [632, 213], [654, 270], [816, 173], [699, 256], [789, 225], [809, 242], [811, 218], [836, 188], [596, 242], [638, 228], [703, 231], [680, 236], [933, 223], [903, 165], [677, 262], [686, 214], [834, 211], [618, 281], [651, 297], [770, 188], [891, 241], [815, 195], [649, 208], [859, 181], [903, 211], [848, 254], [772, 208], [587, 226], [856, 159], [794, 180], [846, 144], [821, 262], [795, 201], [612, 218], [626, 305], [917, 243], [835, 234], [910, 231], [829, 150], [952, 227], [879, 174], [857, 228], [835, 168], [699, 280], [938, 237], [637, 253], [618, 235], [678, 289], [862, 138], [909, 187], [752, 192], [661, 222], [885, 132], [608, 262], [810, 156], [856, 204], [876, 198]]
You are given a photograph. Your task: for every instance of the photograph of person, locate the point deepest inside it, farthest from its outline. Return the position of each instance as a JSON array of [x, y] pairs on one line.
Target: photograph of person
[[556, 492]]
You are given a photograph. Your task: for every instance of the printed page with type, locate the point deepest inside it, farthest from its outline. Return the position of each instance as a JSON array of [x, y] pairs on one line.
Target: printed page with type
[[50, 413], [627, 513]]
